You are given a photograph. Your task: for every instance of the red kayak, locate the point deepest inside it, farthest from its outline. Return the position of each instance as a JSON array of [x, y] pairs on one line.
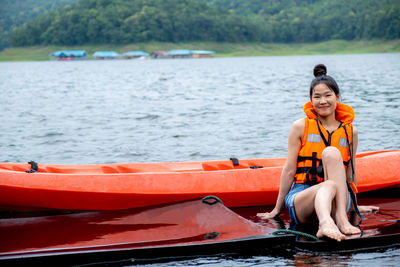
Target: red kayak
[[239, 183], [191, 227], [167, 232]]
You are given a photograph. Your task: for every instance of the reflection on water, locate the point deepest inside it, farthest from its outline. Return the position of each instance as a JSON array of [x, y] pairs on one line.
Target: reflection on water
[[182, 110], [306, 259]]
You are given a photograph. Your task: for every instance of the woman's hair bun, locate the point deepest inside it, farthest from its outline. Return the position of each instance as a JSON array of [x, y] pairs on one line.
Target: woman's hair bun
[[319, 70]]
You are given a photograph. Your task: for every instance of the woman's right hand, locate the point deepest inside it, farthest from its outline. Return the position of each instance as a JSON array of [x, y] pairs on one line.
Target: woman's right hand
[[269, 215]]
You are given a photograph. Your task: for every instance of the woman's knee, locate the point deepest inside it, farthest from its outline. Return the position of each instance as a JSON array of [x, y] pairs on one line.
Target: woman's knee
[[330, 154], [328, 186]]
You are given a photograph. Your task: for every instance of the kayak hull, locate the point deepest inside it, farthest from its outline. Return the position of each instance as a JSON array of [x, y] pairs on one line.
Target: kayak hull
[[124, 186]]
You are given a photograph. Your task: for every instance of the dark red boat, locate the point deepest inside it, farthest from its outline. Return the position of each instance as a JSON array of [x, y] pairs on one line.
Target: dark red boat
[[188, 228], [192, 228]]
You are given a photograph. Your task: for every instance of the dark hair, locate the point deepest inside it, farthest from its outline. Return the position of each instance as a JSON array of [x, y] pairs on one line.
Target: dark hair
[[321, 77]]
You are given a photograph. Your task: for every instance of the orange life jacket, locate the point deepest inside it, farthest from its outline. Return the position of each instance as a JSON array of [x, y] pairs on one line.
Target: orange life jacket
[[316, 139]]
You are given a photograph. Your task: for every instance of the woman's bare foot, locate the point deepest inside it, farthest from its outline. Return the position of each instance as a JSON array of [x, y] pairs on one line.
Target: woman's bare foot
[[347, 228], [330, 230]]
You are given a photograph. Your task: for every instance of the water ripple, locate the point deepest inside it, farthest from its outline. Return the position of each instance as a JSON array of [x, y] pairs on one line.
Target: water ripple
[[195, 110]]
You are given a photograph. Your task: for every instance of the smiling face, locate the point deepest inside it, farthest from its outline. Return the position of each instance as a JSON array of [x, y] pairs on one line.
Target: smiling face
[[324, 100]]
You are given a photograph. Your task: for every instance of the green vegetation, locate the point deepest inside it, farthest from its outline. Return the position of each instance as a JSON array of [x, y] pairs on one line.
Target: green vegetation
[[14, 13], [237, 21], [127, 21], [228, 27], [221, 49]]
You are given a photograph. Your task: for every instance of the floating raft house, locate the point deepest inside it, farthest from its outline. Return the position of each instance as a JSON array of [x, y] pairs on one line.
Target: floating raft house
[[106, 55], [180, 53], [183, 53], [202, 53], [135, 54], [160, 54], [68, 54]]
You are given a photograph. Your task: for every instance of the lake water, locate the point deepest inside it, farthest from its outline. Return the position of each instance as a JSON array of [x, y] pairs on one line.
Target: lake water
[[86, 112]]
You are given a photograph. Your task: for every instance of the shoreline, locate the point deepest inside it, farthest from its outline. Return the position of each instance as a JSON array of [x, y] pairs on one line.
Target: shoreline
[[40, 53]]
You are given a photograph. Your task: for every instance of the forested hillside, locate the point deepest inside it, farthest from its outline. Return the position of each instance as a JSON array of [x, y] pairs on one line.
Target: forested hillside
[[14, 13], [319, 20], [124, 21], [130, 21]]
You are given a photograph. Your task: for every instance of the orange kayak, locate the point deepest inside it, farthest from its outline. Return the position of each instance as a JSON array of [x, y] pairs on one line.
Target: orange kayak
[[248, 182]]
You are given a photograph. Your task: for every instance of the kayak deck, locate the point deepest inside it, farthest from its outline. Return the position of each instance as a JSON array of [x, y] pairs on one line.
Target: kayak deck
[[156, 167]]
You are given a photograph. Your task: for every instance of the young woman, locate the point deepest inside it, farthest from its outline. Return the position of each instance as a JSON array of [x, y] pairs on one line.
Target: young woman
[[320, 162]]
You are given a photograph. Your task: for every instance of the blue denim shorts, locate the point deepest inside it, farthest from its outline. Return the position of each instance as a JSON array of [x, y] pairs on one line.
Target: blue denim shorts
[[289, 200]]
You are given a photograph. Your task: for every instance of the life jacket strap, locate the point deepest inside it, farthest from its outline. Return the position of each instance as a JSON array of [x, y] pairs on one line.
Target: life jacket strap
[[354, 200], [301, 158], [312, 176], [313, 171], [327, 142], [303, 170]]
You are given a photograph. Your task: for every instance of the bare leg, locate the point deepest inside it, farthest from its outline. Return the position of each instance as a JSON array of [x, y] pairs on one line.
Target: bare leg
[[323, 207], [335, 172], [318, 199]]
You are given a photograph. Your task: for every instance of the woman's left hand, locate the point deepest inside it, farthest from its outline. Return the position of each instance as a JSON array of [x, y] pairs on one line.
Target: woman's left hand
[[368, 209]]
